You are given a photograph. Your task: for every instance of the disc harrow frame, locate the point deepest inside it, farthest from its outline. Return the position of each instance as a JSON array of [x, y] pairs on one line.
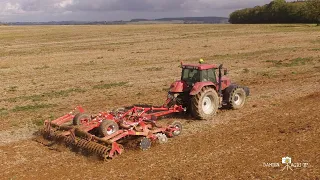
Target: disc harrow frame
[[137, 121]]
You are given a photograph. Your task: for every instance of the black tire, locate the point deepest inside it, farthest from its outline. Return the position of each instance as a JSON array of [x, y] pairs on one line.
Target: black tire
[[205, 104], [178, 125], [235, 97], [80, 118], [108, 127]]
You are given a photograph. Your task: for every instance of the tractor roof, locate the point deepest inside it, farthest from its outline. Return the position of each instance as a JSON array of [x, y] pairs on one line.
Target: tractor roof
[[199, 66]]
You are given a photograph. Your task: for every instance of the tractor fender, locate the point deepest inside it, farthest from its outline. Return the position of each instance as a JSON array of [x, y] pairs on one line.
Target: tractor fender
[[178, 86], [199, 85]]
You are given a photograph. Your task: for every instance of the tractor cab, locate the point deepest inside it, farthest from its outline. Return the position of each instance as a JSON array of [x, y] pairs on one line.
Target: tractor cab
[[195, 75], [192, 74]]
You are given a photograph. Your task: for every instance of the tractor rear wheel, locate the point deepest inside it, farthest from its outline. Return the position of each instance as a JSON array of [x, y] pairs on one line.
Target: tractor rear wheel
[[81, 118], [236, 98], [108, 127], [205, 104]]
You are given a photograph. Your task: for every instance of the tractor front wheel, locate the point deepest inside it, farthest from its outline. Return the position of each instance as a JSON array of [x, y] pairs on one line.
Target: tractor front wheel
[[236, 98], [205, 104]]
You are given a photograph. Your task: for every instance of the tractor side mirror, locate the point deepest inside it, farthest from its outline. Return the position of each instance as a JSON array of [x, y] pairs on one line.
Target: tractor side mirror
[[225, 71]]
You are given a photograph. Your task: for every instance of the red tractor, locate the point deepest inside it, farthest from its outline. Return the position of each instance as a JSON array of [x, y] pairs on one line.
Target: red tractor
[[203, 89]]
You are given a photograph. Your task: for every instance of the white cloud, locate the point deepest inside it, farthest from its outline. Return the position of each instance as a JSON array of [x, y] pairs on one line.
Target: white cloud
[[11, 8], [64, 3]]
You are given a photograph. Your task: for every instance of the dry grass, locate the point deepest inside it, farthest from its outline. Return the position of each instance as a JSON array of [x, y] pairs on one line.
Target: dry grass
[[47, 70]]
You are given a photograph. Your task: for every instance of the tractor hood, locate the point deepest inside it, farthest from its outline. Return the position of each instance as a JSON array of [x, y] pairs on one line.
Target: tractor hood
[[178, 86]]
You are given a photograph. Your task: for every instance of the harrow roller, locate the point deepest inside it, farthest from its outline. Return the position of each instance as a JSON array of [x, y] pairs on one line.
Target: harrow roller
[[93, 147], [84, 145]]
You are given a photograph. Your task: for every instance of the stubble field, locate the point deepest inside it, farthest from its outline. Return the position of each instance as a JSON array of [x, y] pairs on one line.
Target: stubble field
[[45, 71]]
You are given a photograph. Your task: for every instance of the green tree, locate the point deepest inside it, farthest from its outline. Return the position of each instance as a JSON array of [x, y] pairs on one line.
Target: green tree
[[279, 11], [314, 10]]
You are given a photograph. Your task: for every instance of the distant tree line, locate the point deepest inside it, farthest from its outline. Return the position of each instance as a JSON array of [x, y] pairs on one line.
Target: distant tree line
[[279, 11], [189, 20]]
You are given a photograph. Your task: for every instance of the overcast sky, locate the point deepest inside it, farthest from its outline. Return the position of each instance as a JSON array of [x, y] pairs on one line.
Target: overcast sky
[[109, 10]]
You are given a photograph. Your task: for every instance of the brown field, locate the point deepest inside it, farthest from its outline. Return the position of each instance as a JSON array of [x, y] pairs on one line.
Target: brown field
[[45, 71]]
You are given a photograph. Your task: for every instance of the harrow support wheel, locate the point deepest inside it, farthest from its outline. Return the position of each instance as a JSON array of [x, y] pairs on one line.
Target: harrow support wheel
[[205, 104], [178, 125], [108, 127], [81, 118]]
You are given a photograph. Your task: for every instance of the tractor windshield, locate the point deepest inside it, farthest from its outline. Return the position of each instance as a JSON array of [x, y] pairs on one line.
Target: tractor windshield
[[194, 75], [190, 75]]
